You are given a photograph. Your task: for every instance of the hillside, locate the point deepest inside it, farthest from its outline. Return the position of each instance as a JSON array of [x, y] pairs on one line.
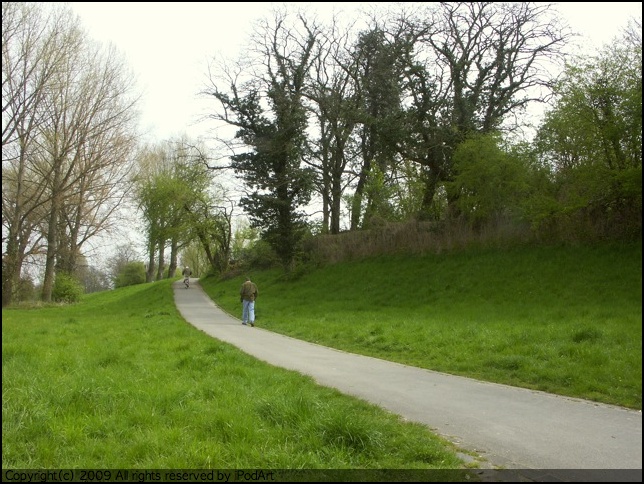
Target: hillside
[[566, 320]]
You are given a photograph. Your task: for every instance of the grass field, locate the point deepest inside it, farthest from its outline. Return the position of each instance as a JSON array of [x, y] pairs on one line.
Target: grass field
[[121, 381]]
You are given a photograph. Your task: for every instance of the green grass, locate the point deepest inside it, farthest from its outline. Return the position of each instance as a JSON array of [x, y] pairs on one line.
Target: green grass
[[566, 320], [120, 380]]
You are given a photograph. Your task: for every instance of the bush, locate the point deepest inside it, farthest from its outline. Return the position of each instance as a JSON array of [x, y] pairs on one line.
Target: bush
[[132, 273], [260, 255], [26, 290], [66, 289]]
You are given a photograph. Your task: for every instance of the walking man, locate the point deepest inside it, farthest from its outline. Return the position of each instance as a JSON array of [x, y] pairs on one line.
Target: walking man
[[248, 293]]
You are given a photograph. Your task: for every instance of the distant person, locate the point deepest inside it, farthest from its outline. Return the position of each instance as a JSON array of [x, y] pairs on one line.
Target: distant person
[[248, 293], [186, 276]]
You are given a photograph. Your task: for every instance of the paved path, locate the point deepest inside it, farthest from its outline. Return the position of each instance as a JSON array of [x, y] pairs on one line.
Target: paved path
[[508, 427]]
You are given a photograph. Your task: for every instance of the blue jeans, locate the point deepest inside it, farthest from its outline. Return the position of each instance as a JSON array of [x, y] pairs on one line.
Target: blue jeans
[[248, 311]]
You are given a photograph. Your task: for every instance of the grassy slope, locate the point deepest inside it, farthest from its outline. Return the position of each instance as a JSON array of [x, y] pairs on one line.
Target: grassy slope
[[563, 320]]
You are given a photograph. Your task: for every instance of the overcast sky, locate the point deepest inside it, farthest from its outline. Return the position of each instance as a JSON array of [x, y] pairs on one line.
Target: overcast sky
[[168, 45]]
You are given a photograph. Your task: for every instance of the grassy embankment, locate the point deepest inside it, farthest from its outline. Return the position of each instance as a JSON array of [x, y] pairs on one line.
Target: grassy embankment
[[561, 320]]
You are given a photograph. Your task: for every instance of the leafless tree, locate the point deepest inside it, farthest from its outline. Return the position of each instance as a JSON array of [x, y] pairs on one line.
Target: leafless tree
[[70, 124], [477, 66], [335, 102], [89, 116], [33, 49]]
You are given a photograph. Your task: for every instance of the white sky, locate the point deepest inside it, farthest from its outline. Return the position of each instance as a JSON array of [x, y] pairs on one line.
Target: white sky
[[168, 45]]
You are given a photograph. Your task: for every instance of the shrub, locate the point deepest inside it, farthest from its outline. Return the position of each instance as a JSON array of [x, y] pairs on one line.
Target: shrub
[[25, 290], [66, 289], [259, 255], [132, 273]]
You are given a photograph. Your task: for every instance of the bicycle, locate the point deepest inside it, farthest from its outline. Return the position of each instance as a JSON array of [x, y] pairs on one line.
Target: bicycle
[[186, 273]]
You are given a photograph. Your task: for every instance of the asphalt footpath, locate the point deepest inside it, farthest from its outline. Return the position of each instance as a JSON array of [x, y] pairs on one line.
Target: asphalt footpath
[[515, 434]]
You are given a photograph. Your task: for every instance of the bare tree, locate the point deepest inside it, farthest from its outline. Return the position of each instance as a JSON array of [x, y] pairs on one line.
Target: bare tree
[[33, 50], [88, 116], [478, 64], [67, 111], [335, 100], [103, 161]]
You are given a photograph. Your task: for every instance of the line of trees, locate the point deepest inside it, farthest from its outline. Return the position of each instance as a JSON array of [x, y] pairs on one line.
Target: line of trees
[[181, 205], [412, 116], [68, 131]]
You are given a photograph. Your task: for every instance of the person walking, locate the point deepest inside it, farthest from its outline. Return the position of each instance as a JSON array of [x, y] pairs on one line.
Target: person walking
[[248, 293], [186, 276]]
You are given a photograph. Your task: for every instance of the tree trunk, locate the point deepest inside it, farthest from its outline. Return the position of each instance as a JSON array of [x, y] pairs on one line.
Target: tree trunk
[[149, 275], [52, 235], [174, 251], [161, 266]]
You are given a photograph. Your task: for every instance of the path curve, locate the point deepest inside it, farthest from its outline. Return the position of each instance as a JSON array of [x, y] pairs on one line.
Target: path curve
[[510, 427]]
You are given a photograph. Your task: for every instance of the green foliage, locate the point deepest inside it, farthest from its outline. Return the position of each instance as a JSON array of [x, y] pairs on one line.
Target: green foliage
[[409, 193], [194, 256], [132, 273], [488, 182], [26, 290], [592, 142], [175, 198], [380, 63], [272, 171], [66, 289], [270, 117], [258, 254], [243, 235], [379, 193]]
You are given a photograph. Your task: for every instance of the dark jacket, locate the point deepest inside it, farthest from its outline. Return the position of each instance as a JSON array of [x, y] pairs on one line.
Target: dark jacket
[[248, 291]]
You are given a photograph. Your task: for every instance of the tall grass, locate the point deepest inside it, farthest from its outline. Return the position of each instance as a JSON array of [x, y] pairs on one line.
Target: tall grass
[[566, 320], [120, 380]]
